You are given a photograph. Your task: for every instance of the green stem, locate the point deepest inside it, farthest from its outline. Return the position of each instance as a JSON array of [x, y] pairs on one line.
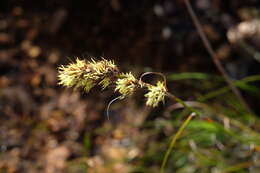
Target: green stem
[[173, 97], [173, 141], [238, 167]]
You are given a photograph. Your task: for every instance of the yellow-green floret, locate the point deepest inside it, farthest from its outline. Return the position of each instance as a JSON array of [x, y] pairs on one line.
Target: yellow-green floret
[[86, 75], [156, 94], [126, 84]]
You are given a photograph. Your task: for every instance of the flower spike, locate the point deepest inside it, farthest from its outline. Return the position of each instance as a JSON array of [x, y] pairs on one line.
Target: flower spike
[[155, 94], [86, 75]]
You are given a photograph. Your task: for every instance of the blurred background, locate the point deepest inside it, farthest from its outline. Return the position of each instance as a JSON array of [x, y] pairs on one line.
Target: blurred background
[[47, 128]]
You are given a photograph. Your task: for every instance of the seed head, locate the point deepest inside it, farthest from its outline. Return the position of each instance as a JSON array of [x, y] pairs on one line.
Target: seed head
[[126, 84], [86, 75], [155, 94]]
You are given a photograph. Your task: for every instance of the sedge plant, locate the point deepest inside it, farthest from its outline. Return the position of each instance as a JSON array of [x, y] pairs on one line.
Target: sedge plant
[[88, 74]]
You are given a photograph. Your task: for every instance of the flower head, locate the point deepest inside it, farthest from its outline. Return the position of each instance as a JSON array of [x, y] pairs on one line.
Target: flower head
[[155, 94], [126, 84], [86, 75], [70, 75], [102, 68]]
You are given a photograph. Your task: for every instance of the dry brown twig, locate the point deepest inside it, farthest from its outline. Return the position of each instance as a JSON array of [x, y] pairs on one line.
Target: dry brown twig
[[213, 55]]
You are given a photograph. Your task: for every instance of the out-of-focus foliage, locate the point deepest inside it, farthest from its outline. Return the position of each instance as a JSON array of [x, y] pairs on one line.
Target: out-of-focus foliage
[[223, 139]]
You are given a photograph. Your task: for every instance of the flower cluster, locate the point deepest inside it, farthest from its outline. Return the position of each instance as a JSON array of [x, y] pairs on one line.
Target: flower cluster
[[155, 94], [86, 75], [126, 84]]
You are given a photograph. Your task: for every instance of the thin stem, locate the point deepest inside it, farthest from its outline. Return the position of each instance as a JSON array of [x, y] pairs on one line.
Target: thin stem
[[238, 167], [174, 98], [148, 73], [214, 56], [211, 110], [109, 104], [173, 141], [226, 89]]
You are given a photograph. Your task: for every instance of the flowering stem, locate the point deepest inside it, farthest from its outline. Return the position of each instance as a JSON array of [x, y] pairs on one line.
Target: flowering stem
[[88, 74]]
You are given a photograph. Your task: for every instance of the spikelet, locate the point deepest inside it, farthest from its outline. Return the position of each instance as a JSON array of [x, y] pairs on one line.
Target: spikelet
[[86, 75], [126, 84], [156, 94]]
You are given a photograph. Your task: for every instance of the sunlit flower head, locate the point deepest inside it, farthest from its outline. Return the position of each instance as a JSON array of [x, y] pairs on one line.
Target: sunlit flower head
[[126, 84], [86, 75], [156, 94]]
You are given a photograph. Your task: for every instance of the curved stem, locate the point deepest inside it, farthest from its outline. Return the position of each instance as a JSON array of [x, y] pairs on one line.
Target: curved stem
[[109, 104], [147, 73], [173, 141]]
